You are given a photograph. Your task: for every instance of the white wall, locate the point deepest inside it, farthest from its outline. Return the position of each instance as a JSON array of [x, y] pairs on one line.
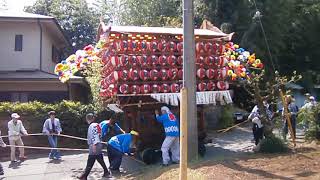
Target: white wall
[[29, 56], [47, 42]]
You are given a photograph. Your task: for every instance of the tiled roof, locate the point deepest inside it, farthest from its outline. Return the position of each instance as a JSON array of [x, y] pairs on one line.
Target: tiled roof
[[164, 30], [30, 75], [21, 14]]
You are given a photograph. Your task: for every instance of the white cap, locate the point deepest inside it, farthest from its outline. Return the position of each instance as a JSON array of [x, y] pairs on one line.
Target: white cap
[[15, 115], [311, 98]]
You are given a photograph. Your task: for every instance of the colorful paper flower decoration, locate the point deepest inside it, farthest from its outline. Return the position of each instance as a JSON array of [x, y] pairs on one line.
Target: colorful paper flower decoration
[[240, 61]]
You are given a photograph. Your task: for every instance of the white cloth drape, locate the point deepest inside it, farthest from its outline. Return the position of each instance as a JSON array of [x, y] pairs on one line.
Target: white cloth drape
[[206, 97]]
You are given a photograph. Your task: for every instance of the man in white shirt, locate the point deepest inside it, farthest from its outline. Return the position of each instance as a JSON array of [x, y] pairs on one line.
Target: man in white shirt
[[16, 129]]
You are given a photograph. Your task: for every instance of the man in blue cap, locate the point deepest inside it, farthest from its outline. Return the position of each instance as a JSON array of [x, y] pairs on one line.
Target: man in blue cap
[[119, 145]]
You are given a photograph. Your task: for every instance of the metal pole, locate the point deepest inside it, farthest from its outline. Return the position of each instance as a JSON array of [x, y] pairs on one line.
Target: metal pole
[[189, 78]]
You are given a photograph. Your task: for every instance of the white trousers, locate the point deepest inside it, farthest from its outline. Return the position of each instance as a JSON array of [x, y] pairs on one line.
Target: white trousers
[[170, 143]]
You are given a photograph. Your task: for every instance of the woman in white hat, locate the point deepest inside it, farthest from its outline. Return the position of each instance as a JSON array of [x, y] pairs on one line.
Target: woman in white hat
[[15, 130]]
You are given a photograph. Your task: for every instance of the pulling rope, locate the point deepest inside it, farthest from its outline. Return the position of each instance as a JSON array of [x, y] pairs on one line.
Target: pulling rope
[[64, 149]]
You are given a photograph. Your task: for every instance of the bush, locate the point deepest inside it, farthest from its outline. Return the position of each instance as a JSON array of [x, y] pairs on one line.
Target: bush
[[226, 119], [272, 144], [311, 120], [71, 115]]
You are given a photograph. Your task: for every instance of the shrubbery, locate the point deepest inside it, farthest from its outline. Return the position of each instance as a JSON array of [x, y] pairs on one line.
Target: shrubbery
[[71, 114], [309, 118], [272, 144]]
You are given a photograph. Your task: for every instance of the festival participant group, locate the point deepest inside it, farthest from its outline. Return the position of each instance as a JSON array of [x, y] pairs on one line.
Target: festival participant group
[[121, 144]]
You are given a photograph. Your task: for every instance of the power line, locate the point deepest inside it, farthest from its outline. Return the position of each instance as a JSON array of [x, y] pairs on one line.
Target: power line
[[264, 35]]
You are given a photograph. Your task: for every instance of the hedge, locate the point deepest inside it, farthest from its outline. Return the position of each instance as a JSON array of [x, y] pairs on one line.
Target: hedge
[[71, 115]]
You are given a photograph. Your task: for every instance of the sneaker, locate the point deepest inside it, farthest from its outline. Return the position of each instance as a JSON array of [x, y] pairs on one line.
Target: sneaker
[[15, 161], [82, 177], [23, 158], [175, 162], [106, 175], [57, 158], [1, 173], [164, 165]]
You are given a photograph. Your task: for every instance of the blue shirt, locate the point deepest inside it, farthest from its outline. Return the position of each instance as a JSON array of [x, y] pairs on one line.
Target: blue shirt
[[170, 124], [121, 142], [105, 128]]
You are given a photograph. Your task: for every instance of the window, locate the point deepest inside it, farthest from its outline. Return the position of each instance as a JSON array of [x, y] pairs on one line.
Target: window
[[18, 42]]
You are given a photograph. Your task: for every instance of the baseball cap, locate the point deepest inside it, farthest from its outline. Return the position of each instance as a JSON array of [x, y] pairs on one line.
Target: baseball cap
[[51, 113], [15, 115], [311, 98], [134, 133]]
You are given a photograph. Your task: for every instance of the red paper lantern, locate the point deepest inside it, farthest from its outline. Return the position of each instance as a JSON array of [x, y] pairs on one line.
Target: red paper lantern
[[211, 86], [165, 88], [202, 86], [154, 74], [135, 89], [114, 61], [112, 89], [175, 88], [153, 46], [172, 60], [210, 73], [113, 45], [154, 60], [124, 60], [173, 73], [133, 60], [134, 74], [124, 89], [208, 47], [222, 73], [180, 74], [144, 75], [124, 75], [215, 47], [180, 47], [112, 78], [172, 46], [133, 46], [144, 46], [155, 88], [201, 73], [145, 89], [164, 74], [163, 60], [144, 60], [200, 60], [221, 61], [123, 45], [210, 61], [163, 46], [180, 60], [223, 85], [199, 47]]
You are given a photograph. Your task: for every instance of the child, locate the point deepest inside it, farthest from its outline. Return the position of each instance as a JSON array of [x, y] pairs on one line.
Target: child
[[119, 145], [2, 144], [52, 128], [171, 142], [15, 128], [95, 147]]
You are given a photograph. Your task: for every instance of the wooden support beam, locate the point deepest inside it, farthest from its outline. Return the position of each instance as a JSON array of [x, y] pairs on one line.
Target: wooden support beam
[[183, 135]]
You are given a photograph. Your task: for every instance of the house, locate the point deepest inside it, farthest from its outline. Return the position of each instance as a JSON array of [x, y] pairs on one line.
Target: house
[[30, 47]]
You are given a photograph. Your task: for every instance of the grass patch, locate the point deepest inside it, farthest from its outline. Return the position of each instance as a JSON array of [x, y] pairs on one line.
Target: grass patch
[[273, 144]]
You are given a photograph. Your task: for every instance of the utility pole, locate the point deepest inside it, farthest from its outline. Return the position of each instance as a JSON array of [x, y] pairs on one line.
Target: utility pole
[[189, 79]]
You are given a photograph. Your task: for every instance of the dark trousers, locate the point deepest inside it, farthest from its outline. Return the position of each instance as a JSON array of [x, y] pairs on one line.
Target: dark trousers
[[293, 124], [91, 160], [1, 169], [257, 133], [115, 158]]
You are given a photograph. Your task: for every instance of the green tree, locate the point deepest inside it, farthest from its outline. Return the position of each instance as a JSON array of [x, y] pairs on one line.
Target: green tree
[[78, 21], [143, 13]]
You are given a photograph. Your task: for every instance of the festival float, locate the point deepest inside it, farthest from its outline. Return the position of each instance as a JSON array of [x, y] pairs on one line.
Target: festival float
[[143, 70]]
